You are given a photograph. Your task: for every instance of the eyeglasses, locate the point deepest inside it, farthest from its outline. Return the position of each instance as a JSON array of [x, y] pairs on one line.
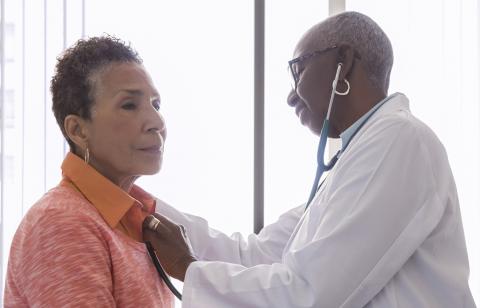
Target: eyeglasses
[[293, 64]]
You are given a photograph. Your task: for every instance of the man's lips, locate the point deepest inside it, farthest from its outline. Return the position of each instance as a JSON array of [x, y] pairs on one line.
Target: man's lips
[[298, 109]]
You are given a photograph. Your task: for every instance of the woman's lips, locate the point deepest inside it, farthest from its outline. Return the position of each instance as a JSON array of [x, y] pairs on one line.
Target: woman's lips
[[152, 149]]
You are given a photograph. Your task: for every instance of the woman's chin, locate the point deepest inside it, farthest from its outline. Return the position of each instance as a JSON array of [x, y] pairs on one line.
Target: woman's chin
[[151, 169], [154, 170]]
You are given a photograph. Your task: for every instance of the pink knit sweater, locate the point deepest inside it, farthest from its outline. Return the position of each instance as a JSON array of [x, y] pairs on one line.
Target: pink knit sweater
[[65, 255]]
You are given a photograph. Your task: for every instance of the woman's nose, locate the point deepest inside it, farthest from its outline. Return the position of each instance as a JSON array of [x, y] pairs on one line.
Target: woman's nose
[[159, 123], [155, 121]]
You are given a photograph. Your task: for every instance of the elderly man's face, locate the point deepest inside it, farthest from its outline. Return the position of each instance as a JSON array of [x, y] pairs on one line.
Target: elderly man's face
[[126, 130], [315, 75]]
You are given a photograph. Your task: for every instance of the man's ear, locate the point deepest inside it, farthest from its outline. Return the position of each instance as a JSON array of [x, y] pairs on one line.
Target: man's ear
[[345, 55], [76, 130]]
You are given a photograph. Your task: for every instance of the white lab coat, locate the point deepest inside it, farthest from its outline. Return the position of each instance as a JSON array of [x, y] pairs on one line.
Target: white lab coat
[[384, 230]]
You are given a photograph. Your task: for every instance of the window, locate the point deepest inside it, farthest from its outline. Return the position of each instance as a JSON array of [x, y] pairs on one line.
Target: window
[[290, 148], [206, 88]]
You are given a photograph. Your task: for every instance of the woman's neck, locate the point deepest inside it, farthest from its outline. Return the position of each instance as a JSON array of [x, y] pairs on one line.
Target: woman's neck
[[125, 182]]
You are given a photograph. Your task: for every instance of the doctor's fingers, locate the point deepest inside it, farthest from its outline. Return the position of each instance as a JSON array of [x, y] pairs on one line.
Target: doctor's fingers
[[162, 225], [169, 224], [154, 225]]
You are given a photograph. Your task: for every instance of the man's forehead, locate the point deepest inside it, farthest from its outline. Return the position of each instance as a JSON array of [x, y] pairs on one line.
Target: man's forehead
[[301, 49], [309, 42]]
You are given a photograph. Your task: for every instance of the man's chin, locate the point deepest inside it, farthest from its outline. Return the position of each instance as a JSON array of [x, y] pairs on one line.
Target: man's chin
[[314, 127], [316, 131], [307, 121]]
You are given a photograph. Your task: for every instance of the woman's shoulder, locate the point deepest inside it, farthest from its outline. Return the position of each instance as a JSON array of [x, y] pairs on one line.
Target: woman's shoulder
[[63, 199], [60, 208], [60, 220]]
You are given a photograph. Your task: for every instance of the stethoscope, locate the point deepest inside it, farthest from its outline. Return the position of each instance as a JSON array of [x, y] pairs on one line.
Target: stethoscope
[[321, 166], [161, 272]]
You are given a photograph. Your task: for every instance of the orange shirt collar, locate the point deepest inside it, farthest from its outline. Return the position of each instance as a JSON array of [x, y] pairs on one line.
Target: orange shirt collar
[[110, 200]]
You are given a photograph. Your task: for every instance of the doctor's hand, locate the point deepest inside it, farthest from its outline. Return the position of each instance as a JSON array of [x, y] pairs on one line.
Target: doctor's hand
[[170, 243]]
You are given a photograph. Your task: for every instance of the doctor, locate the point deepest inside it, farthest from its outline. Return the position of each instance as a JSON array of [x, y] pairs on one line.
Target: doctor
[[383, 229]]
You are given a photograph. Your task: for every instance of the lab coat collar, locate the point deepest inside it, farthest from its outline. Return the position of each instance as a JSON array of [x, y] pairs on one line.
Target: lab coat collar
[[395, 99]]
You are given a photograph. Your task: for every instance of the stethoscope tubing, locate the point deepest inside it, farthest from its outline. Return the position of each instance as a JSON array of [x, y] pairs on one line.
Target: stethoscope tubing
[[321, 166], [161, 271]]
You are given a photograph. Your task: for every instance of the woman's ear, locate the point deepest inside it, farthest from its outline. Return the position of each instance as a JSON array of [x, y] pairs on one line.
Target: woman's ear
[[345, 56], [76, 130]]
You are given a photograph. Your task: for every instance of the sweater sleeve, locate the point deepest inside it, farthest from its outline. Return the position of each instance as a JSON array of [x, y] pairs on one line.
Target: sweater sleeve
[[59, 260]]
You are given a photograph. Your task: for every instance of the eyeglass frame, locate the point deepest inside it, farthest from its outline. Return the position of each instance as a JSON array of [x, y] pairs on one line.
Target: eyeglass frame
[[304, 57]]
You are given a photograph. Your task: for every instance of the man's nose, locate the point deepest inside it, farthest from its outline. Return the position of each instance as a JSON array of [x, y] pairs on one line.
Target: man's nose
[[292, 98]]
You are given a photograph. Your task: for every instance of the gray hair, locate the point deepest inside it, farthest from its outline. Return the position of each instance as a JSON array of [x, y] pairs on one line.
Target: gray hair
[[362, 34]]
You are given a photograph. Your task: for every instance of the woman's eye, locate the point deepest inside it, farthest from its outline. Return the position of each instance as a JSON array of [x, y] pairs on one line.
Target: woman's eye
[[129, 106], [156, 105]]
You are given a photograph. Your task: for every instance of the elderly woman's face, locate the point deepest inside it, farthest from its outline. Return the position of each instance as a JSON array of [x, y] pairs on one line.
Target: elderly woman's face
[[126, 132]]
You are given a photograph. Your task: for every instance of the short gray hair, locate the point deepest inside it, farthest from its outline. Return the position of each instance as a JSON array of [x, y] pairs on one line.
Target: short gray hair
[[362, 34]]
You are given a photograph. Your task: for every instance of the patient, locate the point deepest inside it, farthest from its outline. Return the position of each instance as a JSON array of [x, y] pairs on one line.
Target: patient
[[81, 243]]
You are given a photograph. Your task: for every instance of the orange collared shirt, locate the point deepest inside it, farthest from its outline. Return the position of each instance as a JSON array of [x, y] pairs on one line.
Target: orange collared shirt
[[80, 245], [121, 210]]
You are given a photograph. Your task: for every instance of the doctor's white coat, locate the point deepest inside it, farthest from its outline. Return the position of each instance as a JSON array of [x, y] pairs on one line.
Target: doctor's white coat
[[384, 230]]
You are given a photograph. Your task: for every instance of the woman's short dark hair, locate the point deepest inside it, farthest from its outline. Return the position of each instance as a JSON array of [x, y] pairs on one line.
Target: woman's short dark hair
[[72, 85]]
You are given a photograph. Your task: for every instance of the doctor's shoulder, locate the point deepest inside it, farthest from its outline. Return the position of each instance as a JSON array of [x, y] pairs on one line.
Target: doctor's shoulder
[[403, 132], [403, 123], [401, 138], [416, 130]]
